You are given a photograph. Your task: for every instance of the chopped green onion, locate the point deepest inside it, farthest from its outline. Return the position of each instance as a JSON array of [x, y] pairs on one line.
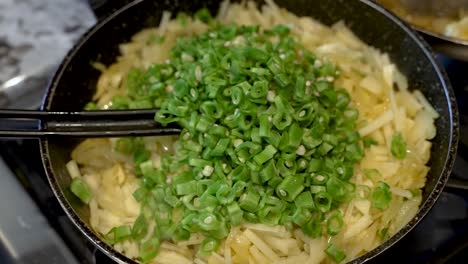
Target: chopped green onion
[[190, 223], [323, 201], [362, 192], [182, 18], [382, 233], [141, 155], [81, 190], [221, 232], [249, 201], [280, 30], [281, 120], [238, 188], [315, 165], [354, 152], [235, 214], [301, 216], [265, 125], [203, 15], [140, 228], [265, 155], [269, 215], [156, 39], [415, 192], [295, 136], [339, 190], [140, 194], [335, 223], [304, 200], [181, 234], [225, 194], [373, 174], [118, 234], [149, 249], [125, 145], [319, 178], [208, 221], [268, 172], [335, 253], [317, 188], [91, 106], [290, 187], [381, 196], [369, 142], [239, 174], [199, 162], [313, 228], [186, 188], [208, 245], [398, 146]]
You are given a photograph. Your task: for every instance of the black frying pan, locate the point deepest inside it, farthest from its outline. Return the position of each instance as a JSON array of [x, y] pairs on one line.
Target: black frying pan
[[74, 84]]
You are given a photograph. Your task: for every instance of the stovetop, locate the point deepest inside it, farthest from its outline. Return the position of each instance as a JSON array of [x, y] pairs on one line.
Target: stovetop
[[44, 234]]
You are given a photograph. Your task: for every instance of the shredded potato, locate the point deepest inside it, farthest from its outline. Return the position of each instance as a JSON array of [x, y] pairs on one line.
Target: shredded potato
[[367, 74]]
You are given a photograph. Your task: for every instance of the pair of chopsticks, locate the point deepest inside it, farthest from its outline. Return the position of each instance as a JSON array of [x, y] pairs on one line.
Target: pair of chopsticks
[[112, 123]]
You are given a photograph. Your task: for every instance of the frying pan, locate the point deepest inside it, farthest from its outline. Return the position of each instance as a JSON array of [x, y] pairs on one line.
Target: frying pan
[[74, 83], [453, 47]]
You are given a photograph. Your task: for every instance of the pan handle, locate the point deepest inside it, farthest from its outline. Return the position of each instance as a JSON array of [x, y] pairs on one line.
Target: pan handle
[[102, 8]]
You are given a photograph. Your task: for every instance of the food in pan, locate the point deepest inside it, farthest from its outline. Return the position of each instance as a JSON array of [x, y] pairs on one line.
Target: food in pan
[[300, 143], [454, 26]]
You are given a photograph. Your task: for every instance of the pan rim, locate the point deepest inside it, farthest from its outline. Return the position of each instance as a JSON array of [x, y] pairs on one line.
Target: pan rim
[[422, 211]]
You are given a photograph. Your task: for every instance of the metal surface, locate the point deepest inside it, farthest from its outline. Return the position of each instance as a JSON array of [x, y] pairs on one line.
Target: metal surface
[[370, 22], [25, 234]]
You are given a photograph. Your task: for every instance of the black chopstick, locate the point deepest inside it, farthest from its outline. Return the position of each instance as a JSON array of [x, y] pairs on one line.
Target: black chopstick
[[77, 115], [90, 133], [112, 123]]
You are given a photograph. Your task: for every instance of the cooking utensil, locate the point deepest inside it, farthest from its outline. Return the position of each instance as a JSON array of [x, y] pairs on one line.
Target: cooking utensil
[[74, 84], [452, 47], [33, 124]]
